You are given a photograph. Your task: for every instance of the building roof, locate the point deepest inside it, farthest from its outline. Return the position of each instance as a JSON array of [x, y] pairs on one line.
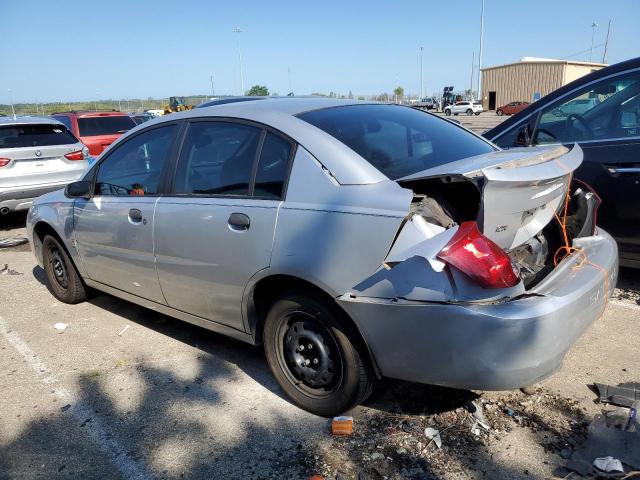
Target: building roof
[[548, 61]]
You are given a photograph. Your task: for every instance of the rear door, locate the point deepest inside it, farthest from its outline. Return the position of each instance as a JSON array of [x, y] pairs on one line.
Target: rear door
[[114, 229], [216, 231], [36, 155]]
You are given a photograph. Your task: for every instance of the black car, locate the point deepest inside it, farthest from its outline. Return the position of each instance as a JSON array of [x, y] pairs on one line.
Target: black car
[[607, 128]]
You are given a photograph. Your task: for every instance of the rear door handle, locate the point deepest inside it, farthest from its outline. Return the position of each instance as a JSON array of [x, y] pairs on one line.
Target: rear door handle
[[239, 222], [135, 215]]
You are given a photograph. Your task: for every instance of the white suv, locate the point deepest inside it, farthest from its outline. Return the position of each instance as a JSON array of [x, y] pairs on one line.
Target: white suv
[[464, 107]]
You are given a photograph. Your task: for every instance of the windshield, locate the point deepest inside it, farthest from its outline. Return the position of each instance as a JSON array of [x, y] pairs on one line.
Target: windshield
[[33, 135], [91, 126], [398, 141]]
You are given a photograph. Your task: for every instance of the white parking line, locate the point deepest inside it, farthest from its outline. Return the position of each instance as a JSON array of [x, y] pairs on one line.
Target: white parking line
[[129, 468]]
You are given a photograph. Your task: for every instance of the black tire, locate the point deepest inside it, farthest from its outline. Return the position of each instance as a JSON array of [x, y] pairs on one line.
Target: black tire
[[469, 112], [447, 112], [63, 280], [478, 113], [343, 376], [499, 112]]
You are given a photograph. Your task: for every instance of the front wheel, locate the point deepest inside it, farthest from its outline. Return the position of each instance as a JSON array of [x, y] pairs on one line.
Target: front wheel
[[469, 112], [63, 279], [313, 355], [499, 112], [478, 113], [447, 112]]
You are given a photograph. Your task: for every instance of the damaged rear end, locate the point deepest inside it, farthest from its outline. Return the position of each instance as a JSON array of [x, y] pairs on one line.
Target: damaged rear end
[[497, 269]]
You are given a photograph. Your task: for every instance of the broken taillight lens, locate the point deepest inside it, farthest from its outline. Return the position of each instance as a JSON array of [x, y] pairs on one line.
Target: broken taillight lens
[[78, 155], [478, 257]]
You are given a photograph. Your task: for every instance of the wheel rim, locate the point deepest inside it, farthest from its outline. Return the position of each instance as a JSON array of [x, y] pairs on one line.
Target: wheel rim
[[58, 268], [309, 355]]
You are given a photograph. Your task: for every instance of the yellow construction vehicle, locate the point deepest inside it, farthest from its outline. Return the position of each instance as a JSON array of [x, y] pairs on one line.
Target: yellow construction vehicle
[[177, 104]]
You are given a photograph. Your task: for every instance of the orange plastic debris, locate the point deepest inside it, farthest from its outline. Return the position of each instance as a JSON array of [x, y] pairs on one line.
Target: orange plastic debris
[[342, 425], [316, 477]]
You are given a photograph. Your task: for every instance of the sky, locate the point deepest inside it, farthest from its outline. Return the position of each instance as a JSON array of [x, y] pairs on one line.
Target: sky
[[67, 50]]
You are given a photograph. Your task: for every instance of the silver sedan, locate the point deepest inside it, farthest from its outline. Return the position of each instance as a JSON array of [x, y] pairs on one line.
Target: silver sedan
[[352, 240]]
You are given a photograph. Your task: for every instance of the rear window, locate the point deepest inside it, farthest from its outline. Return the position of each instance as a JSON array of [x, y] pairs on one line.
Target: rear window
[[92, 126], [398, 141], [34, 135]]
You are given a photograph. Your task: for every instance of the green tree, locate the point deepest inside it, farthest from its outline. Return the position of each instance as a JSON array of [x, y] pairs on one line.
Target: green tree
[[399, 93], [258, 91]]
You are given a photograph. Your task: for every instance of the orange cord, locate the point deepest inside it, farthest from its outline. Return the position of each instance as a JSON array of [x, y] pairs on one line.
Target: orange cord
[[571, 250]]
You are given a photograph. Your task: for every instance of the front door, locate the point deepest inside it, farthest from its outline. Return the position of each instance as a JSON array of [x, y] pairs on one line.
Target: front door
[[608, 131], [114, 229], [216, 231]]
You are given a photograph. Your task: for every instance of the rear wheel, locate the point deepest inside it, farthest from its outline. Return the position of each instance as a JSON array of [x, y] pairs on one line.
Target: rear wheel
[[499, 112], [469, 112], [63, 279], [478, 113], [313, 355], [447, 112]]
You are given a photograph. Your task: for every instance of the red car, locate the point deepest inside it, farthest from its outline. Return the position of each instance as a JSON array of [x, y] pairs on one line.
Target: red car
[[512, 108], [97, 130]]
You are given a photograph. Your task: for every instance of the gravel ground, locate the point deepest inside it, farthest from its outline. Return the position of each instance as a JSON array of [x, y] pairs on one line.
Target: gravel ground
[[125, 392]]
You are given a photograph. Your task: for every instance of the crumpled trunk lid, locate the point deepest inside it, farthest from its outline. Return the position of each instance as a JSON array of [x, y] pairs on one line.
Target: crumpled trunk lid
[[521, 189]]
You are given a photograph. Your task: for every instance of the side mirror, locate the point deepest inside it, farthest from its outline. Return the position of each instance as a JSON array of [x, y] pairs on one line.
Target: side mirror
[[80, 189], [523, 139]]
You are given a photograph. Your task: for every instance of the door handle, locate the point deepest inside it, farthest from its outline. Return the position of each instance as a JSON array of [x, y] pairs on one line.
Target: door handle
[[135, 216], [239, 222], [623, 169]]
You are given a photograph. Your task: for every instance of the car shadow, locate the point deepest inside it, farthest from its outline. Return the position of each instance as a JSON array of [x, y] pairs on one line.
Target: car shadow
[[13, 220]]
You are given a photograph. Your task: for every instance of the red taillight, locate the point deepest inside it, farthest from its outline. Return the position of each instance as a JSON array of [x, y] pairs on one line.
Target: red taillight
[[75, 155], [4, 162], [475, 255]]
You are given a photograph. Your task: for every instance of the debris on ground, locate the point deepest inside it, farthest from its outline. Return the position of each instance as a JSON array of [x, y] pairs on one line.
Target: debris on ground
[[123, 330], [624, 395], [8, 271], [12, 242], [433, 435], [608, 465], [342, 425], [60, 327]]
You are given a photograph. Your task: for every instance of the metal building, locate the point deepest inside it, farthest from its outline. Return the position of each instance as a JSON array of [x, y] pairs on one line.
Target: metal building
[[529, 79]]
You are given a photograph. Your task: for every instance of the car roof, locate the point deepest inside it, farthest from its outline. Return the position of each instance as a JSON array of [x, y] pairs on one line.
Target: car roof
[[593, 76], [28, 120], [287, 105], [91, 113]]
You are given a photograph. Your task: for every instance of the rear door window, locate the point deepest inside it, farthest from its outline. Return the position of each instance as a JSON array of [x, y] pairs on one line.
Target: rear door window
[[398, 141], [273, 167], [35, 135], [108, 125], [217, 158]]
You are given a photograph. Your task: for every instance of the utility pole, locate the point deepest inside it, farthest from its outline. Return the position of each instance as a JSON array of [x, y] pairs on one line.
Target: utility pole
[[594, 25], [213, 93], [473, 61], [119, 106], [480, 53], [606, 44], [238, 31], [421, 75]]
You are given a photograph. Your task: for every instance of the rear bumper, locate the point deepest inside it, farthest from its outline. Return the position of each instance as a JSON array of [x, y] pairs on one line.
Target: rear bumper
[[22, 198], [497, 346]]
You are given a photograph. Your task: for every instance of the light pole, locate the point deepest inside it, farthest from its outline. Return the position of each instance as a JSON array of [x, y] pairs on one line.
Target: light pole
[[95, 102], [480, 52], [421, 75], [213, 94], [289, 77], [594, 25], [238, 31], [12, 109]]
